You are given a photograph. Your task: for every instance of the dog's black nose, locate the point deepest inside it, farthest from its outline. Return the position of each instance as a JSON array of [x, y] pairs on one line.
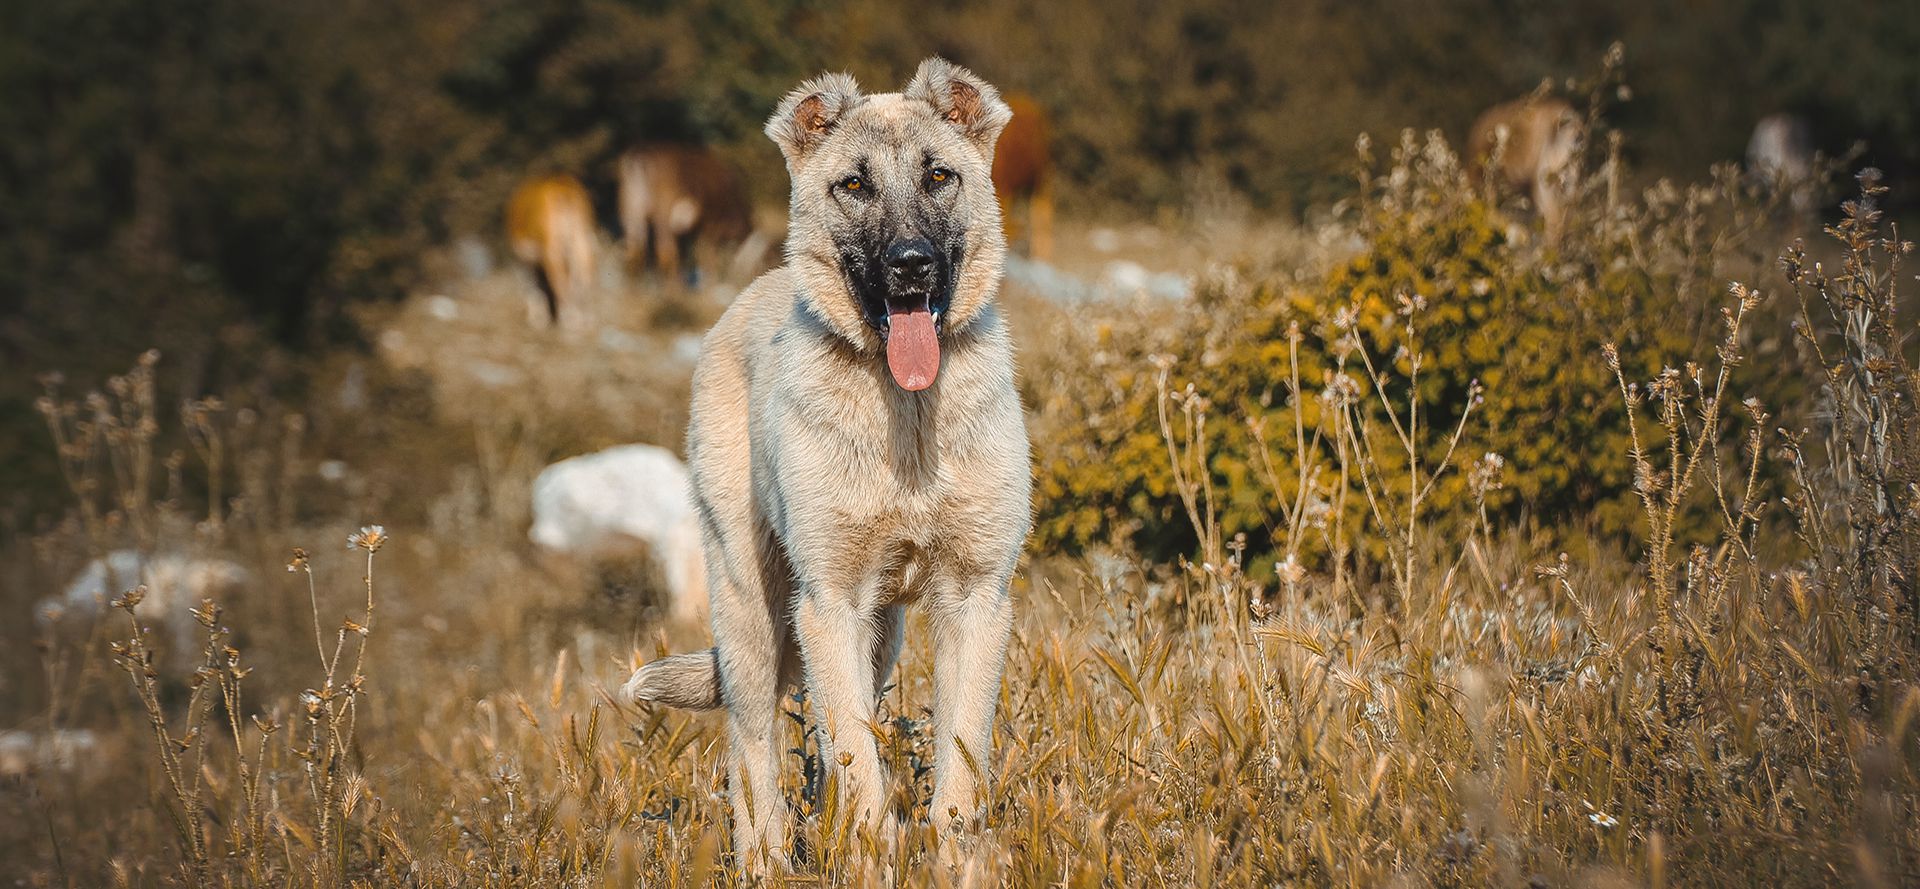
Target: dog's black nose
[[911, 260]]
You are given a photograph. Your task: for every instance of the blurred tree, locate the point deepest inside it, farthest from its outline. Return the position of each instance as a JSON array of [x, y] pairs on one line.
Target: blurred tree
[[222, 177]]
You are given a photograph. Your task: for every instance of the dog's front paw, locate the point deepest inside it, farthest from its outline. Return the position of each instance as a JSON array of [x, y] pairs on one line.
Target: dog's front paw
[[952, 818]]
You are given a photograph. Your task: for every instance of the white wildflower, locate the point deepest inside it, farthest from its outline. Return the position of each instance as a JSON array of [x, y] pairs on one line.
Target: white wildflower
[[1290, 570], [369, 538]]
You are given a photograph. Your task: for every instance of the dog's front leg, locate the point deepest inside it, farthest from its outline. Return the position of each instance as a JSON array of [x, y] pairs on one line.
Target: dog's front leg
[[837, 644], [971, 623]]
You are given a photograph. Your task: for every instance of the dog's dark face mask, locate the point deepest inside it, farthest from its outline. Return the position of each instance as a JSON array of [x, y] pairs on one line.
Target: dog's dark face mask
[[901, 243]]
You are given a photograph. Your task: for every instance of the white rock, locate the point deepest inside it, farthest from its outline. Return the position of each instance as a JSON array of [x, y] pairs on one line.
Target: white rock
[[393, 340], [1170, 286], [475, 260], [443, 307], [686, 347], [494, 375], [353, 388], [632, 492], [1126, 276], [176, 583], [22, 752], [1046, 280], [614, 339]]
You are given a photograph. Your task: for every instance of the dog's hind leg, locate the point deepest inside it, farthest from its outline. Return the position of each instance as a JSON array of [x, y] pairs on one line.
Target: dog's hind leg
[[754, 645], [750, 661], [971, 624]]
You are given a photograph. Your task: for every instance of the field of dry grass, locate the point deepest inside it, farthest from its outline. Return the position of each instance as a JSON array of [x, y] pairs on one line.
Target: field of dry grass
[[1726, 697]]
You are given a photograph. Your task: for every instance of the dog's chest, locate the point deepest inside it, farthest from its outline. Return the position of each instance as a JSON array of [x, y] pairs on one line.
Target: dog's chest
[[910, 456], [893, 465]]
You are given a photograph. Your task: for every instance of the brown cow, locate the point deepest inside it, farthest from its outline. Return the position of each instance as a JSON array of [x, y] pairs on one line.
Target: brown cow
[[1541, 138], [550, 227], [1022, 168], [673, 197]]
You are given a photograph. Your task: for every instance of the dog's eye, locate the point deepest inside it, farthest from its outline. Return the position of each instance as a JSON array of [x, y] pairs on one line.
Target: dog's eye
[[853, 183], [939, 175]]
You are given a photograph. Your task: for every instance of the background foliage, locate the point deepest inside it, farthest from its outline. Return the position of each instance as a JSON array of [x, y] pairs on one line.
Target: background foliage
[[1509, 325], [1424, 669], [221, 179]]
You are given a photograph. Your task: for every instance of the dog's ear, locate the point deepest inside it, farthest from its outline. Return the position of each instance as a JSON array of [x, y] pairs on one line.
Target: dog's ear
[[810, 112], [966, 102]]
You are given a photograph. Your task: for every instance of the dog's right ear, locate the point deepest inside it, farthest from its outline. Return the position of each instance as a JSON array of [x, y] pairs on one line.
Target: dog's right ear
[[810, 112]]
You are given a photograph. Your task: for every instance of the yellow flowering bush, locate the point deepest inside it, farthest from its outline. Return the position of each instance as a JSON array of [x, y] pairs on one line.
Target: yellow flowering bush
[[1454, 308]]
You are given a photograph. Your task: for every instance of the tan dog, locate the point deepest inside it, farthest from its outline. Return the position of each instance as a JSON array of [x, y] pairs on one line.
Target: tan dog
[[676, 197], [550, 227], [857, 445], [1538, 141]]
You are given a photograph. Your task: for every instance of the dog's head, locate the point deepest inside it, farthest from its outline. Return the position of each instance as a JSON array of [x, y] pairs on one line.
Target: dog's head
[[893, 227]]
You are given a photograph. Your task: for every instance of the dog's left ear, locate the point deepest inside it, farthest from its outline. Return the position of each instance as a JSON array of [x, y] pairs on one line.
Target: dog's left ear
[[971, 105]]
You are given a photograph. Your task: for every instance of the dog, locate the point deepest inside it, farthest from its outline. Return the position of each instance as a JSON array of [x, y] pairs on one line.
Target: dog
[[550, 227], [857, 445], [1023, 169], [1538, 144], [675, 197]]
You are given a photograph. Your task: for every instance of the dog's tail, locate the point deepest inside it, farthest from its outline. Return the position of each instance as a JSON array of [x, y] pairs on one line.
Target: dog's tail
[[690, 681]]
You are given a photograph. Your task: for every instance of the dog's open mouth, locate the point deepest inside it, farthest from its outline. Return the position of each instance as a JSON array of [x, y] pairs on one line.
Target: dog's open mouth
[[908, 315]]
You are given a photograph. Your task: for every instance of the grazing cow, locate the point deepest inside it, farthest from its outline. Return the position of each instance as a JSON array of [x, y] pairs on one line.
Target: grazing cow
[[1022, 170], [550, 227], [1531, 145], [633, 494], [674, 198], [1780, 155]]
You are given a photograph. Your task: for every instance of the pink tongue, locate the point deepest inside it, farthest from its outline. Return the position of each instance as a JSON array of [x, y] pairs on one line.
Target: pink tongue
[[913, 351]]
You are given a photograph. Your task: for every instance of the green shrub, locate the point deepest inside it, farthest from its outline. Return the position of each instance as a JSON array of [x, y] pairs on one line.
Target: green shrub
[[1500, 323]]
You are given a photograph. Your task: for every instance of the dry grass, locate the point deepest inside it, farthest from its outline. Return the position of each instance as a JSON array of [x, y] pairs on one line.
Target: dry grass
[[1478, 710]]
